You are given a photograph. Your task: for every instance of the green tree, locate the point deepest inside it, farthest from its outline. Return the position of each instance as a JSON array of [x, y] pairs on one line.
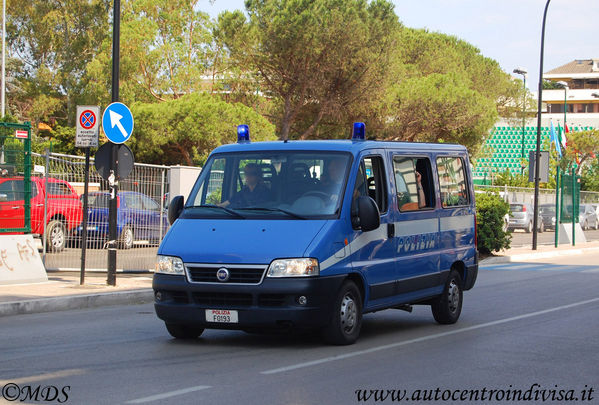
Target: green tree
[[315, 58], [166, 52], [445, 91], [582, 146], [53, 41], [185, 130]]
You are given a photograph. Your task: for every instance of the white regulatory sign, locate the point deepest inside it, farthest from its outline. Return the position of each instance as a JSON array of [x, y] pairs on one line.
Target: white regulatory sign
[[88, 126]]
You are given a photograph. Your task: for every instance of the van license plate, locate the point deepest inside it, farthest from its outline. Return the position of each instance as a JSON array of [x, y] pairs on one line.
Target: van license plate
[[221, 316]]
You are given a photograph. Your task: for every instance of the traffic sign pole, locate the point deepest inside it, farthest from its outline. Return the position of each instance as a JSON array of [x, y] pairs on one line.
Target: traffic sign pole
[[86, 137], [84, 223], [112, 213]]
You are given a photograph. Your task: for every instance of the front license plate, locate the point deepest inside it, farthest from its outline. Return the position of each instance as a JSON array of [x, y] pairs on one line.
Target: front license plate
[[221, 316]]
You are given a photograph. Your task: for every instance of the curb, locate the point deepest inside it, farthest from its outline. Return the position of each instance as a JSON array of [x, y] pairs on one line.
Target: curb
[[523, 257], [132, 297]]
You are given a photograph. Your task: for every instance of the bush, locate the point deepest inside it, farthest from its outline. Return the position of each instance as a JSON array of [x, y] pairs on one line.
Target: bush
[[490, 213]]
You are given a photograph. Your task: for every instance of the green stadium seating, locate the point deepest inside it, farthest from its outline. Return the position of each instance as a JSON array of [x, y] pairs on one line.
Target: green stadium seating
[[506, 144]]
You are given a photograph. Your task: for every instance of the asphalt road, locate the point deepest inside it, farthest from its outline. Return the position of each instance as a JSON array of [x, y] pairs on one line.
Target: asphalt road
[[522, 324], [521, 238]]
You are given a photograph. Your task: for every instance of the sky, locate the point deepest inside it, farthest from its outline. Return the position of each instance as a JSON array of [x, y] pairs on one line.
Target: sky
[[508, 31]]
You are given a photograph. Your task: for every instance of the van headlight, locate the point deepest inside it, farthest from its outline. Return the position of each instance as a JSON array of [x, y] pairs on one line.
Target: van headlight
[[299, 267], [169, 265]]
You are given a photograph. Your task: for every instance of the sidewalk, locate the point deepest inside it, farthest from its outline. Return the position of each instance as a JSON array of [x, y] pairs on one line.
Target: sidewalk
[[63, 292], [525, 253]]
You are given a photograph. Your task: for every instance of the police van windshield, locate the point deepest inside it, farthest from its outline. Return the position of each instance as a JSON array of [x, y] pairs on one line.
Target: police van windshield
[[290, 185]]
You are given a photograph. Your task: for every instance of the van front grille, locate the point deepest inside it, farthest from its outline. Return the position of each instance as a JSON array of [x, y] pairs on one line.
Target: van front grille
[[237, 275]]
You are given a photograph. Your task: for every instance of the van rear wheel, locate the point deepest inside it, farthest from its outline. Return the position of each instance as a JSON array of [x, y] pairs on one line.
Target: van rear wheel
[[180, 331], [448, 306], [346, 318]]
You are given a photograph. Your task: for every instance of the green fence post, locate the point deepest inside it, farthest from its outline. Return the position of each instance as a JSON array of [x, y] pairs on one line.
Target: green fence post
[[27, 179], [574, 207], [557, 207]]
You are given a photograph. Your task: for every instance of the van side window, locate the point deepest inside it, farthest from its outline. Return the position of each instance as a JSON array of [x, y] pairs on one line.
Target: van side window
[[413, 183], [452, 181], [371, 181]]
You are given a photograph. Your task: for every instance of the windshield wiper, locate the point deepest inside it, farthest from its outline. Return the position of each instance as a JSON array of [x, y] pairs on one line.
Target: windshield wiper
[[227, 210], [290, 213]]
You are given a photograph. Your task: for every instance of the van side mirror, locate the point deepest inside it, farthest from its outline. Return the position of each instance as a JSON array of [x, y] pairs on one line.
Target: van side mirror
[[3, 197], [365, 215], [175, 208]]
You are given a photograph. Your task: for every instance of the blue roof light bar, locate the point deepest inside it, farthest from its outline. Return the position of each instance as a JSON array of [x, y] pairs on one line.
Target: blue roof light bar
[[359, 131], [243, 134]]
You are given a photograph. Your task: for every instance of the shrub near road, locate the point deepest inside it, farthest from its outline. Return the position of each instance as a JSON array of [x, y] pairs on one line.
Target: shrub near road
[[490, 211]]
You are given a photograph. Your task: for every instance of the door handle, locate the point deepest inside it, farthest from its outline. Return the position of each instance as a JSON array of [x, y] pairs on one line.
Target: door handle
[[39, 205], [390, 230], [16, 208]]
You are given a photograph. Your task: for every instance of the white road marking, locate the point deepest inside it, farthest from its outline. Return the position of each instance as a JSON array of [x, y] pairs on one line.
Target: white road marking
[[590, 271], [169, 394], [425, 338]]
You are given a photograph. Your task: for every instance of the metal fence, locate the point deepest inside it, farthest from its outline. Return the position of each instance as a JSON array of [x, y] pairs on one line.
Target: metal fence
[[141, 219], [526, 195]]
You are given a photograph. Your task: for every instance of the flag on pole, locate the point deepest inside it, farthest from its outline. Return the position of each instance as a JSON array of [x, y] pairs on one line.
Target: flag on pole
[[561, 136], [555, 140]]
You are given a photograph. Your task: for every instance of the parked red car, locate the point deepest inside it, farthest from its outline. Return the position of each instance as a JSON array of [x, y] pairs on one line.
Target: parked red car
[[65, 211]]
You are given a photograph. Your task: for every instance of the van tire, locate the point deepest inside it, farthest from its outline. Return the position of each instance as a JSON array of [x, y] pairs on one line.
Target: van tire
[[346, 317], [56, 236], [127, 237], [180, 331], [448, 306]]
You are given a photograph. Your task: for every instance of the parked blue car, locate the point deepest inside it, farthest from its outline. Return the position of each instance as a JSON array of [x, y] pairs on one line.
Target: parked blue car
[[138, 218]]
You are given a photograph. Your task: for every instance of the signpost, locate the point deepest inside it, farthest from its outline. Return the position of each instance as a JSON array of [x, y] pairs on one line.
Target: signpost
[[86, 137], [112, 209], [117, 123]]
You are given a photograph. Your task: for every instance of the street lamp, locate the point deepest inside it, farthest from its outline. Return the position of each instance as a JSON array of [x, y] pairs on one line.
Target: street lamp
[[538, 148], [523, 72], [565, 87]]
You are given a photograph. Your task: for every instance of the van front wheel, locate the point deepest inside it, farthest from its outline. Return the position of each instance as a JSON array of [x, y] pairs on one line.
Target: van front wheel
[[183, 331], [346, 318], [448, 306]]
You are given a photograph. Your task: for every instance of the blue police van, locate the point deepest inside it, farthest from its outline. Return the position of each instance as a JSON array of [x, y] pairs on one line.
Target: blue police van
[[314, 234]]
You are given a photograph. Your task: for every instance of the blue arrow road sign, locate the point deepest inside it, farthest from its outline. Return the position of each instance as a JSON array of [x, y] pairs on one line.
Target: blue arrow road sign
[[117, 122]]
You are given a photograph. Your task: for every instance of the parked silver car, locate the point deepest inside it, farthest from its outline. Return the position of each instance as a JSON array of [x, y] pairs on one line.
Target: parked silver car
[[587, 217], [521, 217]]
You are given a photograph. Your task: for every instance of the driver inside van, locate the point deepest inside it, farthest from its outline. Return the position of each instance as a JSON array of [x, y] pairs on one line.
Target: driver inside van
[[253, 193], [333, 179]]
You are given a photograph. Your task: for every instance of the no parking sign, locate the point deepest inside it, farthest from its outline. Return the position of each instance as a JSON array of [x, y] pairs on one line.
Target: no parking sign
[[87, 126]]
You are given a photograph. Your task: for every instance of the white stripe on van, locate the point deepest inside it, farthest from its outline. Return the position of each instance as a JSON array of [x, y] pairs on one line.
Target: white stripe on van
[[416, 227], [402, 229], [457, 223], [362, 240]]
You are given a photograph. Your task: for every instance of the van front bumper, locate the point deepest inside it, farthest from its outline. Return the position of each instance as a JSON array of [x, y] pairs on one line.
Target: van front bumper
[[271, 304]]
